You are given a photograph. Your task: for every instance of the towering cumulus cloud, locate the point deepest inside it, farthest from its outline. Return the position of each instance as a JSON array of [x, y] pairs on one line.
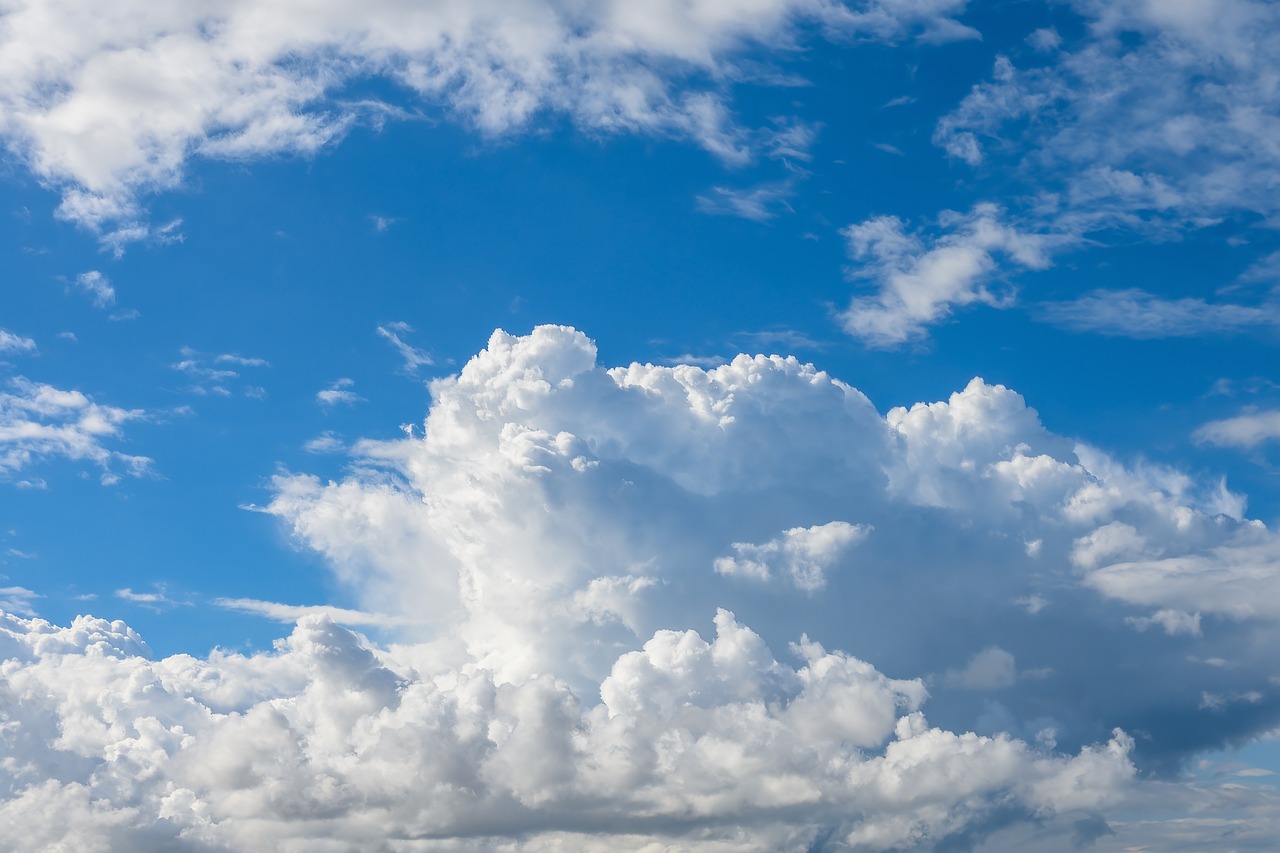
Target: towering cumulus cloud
[[623, 597]]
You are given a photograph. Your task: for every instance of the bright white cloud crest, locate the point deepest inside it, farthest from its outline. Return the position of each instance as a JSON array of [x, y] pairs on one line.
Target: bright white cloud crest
[[552, 538]]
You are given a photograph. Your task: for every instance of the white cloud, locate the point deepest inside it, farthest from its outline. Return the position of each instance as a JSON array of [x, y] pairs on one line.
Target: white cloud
[[759, 203], [1239, 579], [1137, 314], [40, 421], [109, 108], [539, 555], [804, 554], [9, 342], [291, 613], [339, 394], [98, 287], [1172, 621], [1163, 115], [18, 599], [326, 442], [553, 512], [707, 745], [920, 281], [215, 374], [1246, 430], [413, 357], [989, 669]]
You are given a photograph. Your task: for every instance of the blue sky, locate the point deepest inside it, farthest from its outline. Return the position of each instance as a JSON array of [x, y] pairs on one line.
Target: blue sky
[[382, 373]]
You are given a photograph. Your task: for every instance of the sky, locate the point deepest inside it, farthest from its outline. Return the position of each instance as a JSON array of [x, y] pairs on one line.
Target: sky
[[708, 425]]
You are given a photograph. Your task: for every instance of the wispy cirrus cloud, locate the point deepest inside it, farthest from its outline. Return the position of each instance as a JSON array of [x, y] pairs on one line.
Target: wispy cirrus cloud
[[1135, 313], [414, 358]]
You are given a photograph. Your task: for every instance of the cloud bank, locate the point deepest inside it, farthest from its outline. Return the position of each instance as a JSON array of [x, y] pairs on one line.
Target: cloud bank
[[587, 577]]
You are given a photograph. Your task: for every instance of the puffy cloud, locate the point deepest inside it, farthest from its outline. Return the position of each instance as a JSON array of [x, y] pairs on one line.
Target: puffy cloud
[[40, 421], [709, 745], [554, 513], [920, 281], [804, 554], [542, 564], [111, 107]]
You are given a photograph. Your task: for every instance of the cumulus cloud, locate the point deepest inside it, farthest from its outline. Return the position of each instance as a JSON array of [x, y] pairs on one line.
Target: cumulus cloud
[[706, 744], [804, 554], [109, 108], [554, 513], [39, 422], [542, 563], [919, 280]]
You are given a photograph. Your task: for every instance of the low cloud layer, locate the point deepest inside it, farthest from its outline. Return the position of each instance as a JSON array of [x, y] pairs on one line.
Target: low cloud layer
[[330, 744]]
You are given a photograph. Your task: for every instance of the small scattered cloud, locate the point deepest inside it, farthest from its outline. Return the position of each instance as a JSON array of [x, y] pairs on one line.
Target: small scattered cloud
[[382, 223], [98, 287], [9, 342], [327, 442], [802, 554], [18, 599], [1045, 40], [1245, 431], [1134, 313], [39, 422], [919, 280], [758, 204], [215, 374], [900, 101], [339, 394], [158, 600], [414, 358], [990, 669], [703, 361], [888, 149], [291, 613], [1033, 604], [789, 340], [1172, 621]]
